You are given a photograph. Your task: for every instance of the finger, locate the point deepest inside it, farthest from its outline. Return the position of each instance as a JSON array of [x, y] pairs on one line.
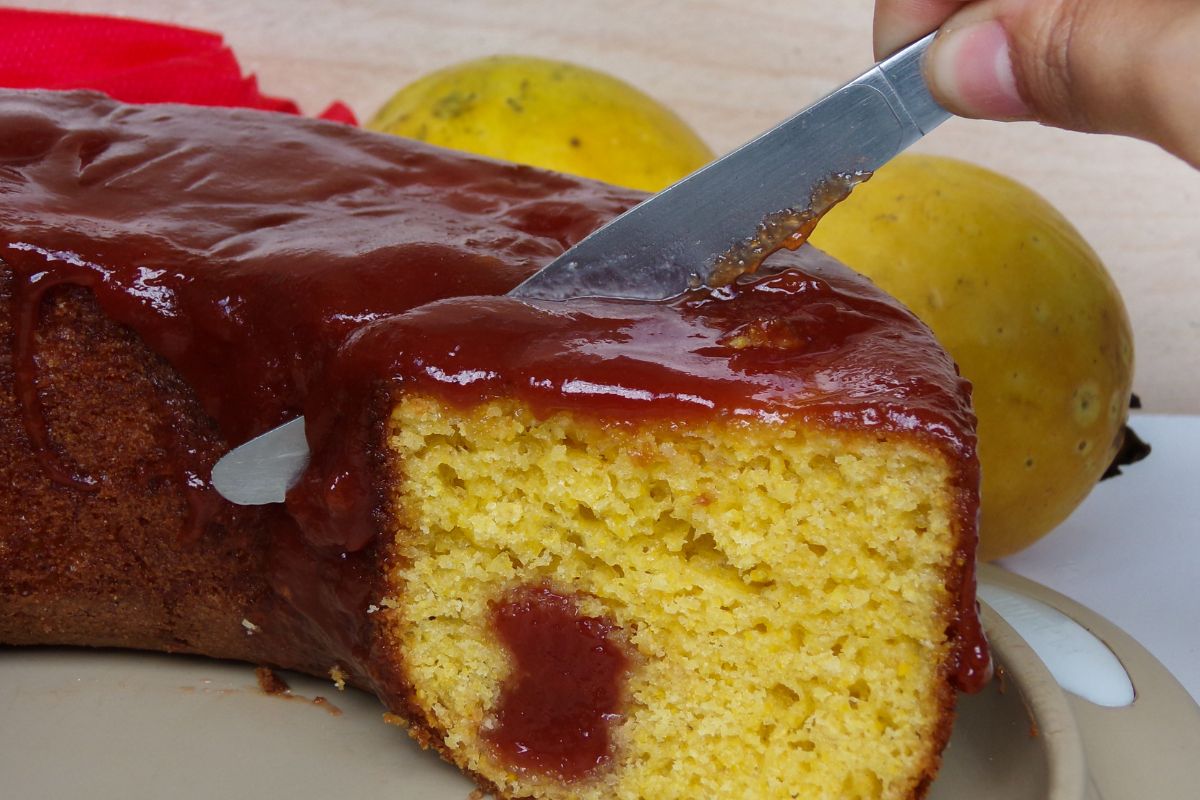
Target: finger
[[1112, 66], [970, 65], [902, 22]]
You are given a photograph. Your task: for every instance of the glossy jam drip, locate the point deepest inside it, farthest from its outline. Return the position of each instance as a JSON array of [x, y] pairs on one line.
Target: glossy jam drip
[[565, 688], [971, 662], [29, 291]]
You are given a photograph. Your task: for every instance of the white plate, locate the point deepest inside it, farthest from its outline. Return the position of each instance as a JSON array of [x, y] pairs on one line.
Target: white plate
[[107, 725]]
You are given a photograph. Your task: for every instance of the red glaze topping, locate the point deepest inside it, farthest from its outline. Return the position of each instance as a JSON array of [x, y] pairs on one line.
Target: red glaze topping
[[564, 689], [819, 344], [272, 260]]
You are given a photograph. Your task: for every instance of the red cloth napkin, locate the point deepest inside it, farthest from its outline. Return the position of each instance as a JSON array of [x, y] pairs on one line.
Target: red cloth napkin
[[130, 60]]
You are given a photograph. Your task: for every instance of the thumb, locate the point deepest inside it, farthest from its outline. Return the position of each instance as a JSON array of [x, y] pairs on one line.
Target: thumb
[[1109, 66]]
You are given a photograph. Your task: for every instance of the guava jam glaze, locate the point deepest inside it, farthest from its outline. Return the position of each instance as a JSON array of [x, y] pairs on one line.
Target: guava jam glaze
[[288, 266]]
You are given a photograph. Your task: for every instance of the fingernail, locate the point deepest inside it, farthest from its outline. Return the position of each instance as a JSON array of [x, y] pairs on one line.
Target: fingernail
[[971, 73]]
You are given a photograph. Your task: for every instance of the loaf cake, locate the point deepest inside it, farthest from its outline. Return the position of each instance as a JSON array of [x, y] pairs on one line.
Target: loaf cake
[[715, 546]]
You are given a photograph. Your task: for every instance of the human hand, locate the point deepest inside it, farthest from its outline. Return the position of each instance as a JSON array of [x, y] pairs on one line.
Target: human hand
[[1109, 66]]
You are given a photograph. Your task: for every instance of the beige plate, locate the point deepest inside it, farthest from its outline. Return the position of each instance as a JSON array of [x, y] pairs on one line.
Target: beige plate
[[108, 725]]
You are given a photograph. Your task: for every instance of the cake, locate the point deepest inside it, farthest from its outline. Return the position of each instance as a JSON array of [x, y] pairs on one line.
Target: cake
[[715, 546]]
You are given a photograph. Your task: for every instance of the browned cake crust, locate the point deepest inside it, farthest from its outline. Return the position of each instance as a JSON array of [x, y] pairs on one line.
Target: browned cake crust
[[117, 567]]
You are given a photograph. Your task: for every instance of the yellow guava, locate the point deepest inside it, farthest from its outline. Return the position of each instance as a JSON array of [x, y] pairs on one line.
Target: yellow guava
[[1024, 306], [548, 114]]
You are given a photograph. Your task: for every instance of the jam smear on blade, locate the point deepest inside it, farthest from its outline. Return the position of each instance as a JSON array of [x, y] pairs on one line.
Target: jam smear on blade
[[564, 690], [788, 227]]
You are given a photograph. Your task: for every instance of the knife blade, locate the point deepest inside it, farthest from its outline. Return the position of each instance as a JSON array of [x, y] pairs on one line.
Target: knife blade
[[670, 242], [675, 239]]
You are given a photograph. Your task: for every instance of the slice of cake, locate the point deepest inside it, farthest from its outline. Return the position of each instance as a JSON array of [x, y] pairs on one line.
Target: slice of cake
[[719, 546]]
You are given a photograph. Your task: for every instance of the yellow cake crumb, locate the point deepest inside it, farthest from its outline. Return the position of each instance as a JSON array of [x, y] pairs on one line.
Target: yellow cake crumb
[[782, 589]]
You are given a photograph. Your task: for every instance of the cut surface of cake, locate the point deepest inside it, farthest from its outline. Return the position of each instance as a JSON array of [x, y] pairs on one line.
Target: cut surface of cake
[[774, 587], [716, 546]]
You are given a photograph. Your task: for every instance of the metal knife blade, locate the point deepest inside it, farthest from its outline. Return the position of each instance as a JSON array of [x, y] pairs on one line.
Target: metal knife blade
[[669, 243], [261, 470]]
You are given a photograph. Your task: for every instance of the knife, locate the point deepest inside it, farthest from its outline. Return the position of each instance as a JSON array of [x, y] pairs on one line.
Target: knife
[[674, 240]]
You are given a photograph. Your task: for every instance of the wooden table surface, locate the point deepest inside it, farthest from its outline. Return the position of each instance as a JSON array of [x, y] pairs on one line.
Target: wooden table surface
[[733, 68]]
